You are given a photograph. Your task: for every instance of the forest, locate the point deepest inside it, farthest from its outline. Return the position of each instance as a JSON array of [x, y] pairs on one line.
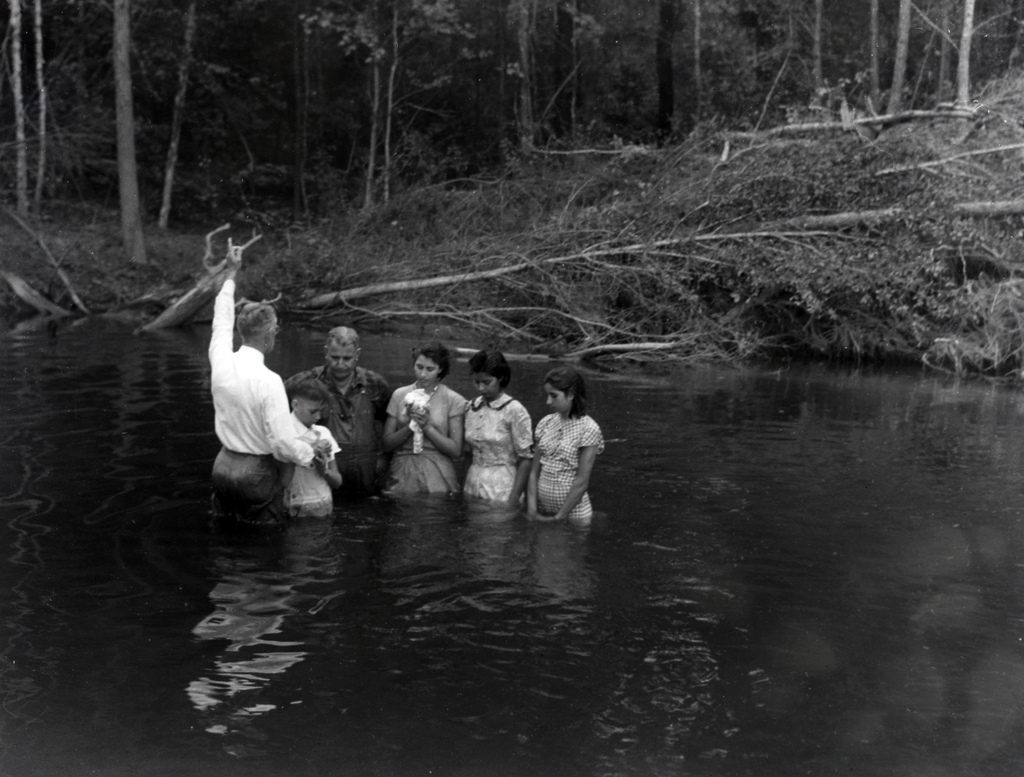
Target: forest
[[602, 179]]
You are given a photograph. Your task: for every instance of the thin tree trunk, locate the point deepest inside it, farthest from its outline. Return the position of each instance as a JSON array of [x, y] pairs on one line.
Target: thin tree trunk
[[817, 71], [665, 67], [873, 56], [945, 52], [525, 114], [698, 71], [371, 152], [127, 172], [389, 104], [899, 70], [21, 150], [300, 112], [41, 88], [963, 66], [178, 115]]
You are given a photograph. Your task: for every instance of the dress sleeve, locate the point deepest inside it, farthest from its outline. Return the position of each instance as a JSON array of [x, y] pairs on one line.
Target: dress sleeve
[[395, 403], [521, 428], [458, 404], [590, 435]]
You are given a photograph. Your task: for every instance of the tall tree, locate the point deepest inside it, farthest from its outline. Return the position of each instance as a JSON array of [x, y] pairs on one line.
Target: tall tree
[[945, 51], [698, 71], [524, 115], [963, 65], [177, 116], [665, 65], [37, 26], [127, 171], [17, 92], [899, 69], [873, 56], [817, 70]]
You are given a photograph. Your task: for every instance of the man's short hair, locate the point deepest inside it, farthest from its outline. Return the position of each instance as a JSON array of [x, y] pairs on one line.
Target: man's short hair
[[255, 319], [342, 335]]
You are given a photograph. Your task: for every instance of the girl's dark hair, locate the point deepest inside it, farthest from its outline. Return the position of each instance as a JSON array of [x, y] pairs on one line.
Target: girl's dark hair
[[491, 363], [310, 389], [566, 380], [437, 353]]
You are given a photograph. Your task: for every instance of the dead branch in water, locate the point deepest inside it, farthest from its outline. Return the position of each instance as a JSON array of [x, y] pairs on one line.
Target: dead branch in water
[[50, 258], [193, 301], [24, 291]]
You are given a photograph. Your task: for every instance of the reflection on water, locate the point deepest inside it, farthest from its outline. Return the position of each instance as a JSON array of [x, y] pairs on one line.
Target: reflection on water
[[798, 571]]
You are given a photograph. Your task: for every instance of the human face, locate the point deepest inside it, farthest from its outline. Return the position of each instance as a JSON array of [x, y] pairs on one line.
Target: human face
[[308, 411], [488, 385], [341, 360], [427, 372], [559, 401]]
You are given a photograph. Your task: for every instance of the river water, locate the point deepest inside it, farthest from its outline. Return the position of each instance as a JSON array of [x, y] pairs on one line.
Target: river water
[[794, 571]]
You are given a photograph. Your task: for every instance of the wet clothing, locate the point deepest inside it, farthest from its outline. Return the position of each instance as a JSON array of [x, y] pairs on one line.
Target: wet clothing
[[431, 471], [558, 441], [499, 433], [251, 419], [355, 418], [248, 488], [308, 494]]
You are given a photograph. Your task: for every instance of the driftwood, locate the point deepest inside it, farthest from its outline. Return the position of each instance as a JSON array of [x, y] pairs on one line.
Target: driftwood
[[847, 123], [51, 258], [948, 159], [24, 291], [196, 299]]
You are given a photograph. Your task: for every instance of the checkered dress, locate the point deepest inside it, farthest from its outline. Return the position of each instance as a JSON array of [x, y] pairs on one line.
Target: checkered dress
[[558, 443]]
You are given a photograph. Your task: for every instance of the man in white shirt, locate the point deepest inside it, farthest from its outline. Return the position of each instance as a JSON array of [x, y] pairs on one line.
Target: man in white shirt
[[251, 414]]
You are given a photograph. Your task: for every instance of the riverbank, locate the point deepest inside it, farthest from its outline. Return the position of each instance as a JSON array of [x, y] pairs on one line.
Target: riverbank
[[894, 241]]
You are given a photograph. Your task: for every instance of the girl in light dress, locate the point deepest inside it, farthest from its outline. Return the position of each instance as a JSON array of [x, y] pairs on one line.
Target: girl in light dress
[[498, 434], [566, 443], [431, 470]]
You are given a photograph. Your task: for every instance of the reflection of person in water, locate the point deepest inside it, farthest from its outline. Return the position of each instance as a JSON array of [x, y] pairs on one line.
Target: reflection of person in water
[[249, 611]]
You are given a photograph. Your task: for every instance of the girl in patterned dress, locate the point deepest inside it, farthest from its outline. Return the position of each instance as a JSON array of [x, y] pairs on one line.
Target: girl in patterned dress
[[498, 433], [432, 469], [566, 443]]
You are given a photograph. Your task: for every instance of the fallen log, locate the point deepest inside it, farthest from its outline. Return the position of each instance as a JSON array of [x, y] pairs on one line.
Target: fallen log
[[200, 295], [846, 124], [24, 291], [50, 258]]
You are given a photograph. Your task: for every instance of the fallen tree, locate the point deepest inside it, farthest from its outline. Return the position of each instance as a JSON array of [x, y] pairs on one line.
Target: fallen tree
[[185, 308]]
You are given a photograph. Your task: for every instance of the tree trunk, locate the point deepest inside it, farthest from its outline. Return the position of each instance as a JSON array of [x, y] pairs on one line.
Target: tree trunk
[[21, 150], [371, 152], [817, 71], [127, 173], [963, 66], [945, 53], [899, 69], [178, 114], [389, 104], [41, 88], [565, 68], [300, 113], [698, 71], [665, 67], [525, 119], [873, 56]]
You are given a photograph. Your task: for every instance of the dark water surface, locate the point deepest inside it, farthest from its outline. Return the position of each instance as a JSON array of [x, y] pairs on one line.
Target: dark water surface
[[803, 571]]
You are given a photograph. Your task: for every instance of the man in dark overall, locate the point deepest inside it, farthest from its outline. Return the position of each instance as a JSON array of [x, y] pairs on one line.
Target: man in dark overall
[[250, 414], [354, 414]]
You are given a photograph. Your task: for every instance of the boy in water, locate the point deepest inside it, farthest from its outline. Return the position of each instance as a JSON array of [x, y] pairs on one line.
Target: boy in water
[[309, 492]]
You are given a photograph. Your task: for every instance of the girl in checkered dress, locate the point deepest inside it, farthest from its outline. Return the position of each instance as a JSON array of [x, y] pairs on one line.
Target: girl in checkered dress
[[566, 443]]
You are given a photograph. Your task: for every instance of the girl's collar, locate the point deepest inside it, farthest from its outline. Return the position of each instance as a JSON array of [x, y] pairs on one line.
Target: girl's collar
[[495, 404]]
